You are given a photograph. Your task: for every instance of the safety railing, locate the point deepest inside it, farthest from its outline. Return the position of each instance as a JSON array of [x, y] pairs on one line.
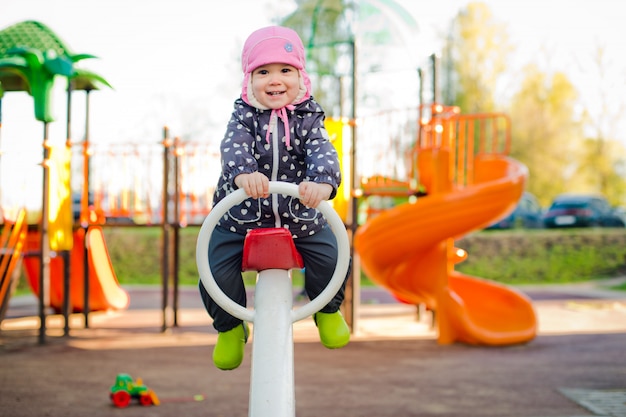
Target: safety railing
[[463, 137]]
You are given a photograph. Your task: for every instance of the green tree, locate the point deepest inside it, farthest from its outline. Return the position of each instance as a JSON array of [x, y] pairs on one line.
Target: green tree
[[601, 168], [602, 164], [545, 134], [474, 58]]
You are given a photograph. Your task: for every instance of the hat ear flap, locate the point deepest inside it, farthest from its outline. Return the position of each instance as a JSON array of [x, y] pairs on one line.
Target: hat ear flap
[[304, 92], [248, 96]]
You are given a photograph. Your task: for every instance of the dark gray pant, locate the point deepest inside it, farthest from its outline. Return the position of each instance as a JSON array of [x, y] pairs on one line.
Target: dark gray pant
[[319, 253]]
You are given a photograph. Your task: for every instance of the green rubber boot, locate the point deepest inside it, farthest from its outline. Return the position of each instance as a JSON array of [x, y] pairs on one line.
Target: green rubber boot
[[333, 329], [230, 346]]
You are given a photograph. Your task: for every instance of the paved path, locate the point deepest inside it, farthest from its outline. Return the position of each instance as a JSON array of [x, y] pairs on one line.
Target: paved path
[[392, 367]]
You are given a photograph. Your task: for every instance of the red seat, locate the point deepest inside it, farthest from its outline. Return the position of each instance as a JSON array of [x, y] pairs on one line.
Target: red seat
[[270, 248]]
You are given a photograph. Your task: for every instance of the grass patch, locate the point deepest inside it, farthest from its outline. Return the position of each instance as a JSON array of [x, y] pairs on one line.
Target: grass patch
[[510, 257], [545, 256], [621, 287]]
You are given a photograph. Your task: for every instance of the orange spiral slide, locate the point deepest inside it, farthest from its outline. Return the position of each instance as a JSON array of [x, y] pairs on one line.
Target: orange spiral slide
[[410, 251]]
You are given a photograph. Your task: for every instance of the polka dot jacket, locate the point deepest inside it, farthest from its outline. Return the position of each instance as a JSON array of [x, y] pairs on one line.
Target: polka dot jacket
[[310, 156]]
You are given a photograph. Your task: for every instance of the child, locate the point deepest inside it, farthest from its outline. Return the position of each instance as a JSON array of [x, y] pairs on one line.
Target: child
[[276, 132]]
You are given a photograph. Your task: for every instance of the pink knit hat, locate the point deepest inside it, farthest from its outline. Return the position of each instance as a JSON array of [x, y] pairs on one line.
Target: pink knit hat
[[273, 44]]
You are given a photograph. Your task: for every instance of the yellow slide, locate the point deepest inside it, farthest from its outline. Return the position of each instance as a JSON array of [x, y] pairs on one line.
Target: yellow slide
[[410, 251], [105, 292]]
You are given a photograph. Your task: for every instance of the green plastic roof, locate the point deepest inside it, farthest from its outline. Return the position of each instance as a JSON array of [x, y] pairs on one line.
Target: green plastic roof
[[34, 35]]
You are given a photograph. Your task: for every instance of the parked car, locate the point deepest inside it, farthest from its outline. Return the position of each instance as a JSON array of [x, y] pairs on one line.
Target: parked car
[[582, 210], [527, 214], [620, 212]]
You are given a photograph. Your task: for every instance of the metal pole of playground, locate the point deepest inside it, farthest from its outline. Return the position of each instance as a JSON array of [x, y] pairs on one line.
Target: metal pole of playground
[[44, 263], [65, 254], [355, 272], [165, 264], [176, 231], [84, 210]]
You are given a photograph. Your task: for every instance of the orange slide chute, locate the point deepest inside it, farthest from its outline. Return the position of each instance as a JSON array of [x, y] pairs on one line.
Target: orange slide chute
[[105, 292], [410, 251]]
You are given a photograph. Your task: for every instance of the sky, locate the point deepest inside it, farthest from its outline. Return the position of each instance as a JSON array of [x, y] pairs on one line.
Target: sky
[[176, 63]]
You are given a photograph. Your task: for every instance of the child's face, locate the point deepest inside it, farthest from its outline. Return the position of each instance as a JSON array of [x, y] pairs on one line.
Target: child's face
[[275, 85]]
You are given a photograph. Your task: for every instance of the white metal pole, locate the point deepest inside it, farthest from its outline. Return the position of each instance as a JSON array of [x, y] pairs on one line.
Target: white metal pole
[[272, 392]]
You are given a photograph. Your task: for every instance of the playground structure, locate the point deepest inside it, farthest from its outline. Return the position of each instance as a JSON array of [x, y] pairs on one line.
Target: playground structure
[[65, 258], [272, 253], [459, 180], [449, 171], [135, 198], [468, 181], [12, 242], [460, 163], [105, 292], [31, 58]]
